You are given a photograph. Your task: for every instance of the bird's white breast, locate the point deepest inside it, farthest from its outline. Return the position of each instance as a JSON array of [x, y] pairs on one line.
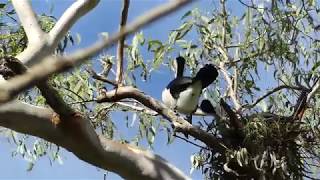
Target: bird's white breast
[[189, 98], [187, 101], [167, 99]]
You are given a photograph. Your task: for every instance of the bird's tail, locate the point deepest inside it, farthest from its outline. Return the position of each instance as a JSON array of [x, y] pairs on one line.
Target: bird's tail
[[207, 75]]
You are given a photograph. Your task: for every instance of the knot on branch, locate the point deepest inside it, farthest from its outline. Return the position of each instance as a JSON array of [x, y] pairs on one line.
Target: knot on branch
[[10, 67]]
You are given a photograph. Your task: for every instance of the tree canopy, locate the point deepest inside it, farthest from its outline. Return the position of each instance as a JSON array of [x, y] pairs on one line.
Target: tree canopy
[[266, 98]]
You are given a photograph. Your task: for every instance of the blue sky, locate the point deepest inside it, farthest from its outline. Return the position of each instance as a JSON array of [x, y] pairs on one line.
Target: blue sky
[[105, 18]]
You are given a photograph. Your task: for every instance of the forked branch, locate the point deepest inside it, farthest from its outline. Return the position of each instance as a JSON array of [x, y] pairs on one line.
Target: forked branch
[[52, 65]]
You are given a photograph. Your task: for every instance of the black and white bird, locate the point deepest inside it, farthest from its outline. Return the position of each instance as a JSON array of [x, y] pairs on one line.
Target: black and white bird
[[182, 94]]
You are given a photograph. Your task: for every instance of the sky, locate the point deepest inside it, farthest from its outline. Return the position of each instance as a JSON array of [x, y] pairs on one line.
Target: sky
[[105, 18]]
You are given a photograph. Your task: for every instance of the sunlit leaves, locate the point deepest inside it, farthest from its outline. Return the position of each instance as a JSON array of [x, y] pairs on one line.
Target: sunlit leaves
[[135, 57], [159, 51], [180, 32]]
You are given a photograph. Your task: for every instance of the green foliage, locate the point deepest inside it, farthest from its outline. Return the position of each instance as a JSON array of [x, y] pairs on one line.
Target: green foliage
[[261, 47], [13, 40], [269, 44], [272, 38]]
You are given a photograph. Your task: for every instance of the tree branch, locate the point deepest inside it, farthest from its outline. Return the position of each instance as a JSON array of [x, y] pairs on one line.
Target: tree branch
[[135, 107], [11, 67], [179, 123], [42, 44], [69, 17], [124, 15], [37, 47], [78, 136], [314, 90], [232, 93], [53, 65], [29, 21], [271, 92], [94, 75]]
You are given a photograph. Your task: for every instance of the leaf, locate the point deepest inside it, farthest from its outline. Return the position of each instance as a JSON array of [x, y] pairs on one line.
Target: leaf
[[158, 59], [58, 158], [170, 137], [263, 105], [78, 38], [134, 118], [154, 45], [183, 30], [315, 66], [138, 39], [188, 13], [211, 20], [150, 135], [193, 161], [229, 170], [239, 158], [30, 166]]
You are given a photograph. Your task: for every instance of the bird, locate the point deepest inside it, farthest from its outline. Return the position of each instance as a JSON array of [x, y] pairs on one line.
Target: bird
[[182, 93]]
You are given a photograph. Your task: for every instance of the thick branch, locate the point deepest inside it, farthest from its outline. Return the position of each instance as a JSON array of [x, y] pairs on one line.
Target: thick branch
[[78, 136], [180, 124], [69, 17], [53, 65], [28, 20], [37, 47], [11, 67], [124, 15], [41, 44]]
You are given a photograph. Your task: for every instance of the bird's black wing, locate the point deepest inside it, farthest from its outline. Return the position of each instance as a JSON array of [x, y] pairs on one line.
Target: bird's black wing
[[178, 85]]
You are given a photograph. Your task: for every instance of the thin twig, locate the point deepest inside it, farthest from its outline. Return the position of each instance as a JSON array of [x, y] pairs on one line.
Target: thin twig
[[271, 92], [120, 49], [232, 94], [138, 108], [94, 75], [82, 102], [190, 142], [314, 89]]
